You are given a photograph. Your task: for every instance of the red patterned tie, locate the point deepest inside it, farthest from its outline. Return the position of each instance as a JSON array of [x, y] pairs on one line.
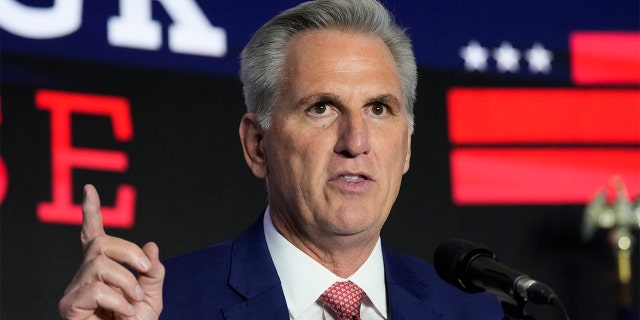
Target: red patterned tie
[[345, 299]]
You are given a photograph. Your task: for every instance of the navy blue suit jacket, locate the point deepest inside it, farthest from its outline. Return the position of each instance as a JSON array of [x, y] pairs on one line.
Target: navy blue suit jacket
[[237, 280]]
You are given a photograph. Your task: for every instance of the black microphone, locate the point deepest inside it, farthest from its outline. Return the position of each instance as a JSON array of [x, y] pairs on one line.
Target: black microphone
[[472, 267]]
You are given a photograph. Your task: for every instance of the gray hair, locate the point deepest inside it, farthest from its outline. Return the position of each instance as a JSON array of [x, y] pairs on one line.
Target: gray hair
[[262, 60]]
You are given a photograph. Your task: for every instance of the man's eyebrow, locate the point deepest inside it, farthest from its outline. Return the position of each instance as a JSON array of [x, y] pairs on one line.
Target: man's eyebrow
[[321, 96], [388, 99]]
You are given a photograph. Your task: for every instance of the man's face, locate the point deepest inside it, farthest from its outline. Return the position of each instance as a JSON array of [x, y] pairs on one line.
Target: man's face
[[339, 141]]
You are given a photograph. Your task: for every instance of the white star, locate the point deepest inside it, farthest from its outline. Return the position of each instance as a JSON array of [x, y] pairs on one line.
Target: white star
[[507, 58], [475, 56], [539, 59]]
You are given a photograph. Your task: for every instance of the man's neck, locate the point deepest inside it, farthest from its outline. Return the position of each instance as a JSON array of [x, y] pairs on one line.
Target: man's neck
[[341, 254]]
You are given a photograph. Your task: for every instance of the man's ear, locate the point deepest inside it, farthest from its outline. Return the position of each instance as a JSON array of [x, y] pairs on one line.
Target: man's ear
[[251, 137], [407, 158]]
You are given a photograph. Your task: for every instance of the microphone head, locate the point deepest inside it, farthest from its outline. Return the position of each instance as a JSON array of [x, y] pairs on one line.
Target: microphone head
[[451, 259]]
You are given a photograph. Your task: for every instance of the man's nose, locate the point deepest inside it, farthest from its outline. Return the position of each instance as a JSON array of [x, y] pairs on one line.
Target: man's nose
[[353, 136]]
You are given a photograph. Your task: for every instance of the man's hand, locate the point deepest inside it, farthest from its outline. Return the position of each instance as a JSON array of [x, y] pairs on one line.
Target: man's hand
[[103, 288]]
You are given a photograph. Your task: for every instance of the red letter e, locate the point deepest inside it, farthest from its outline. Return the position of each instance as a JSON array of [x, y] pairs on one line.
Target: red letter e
[[64, 157]]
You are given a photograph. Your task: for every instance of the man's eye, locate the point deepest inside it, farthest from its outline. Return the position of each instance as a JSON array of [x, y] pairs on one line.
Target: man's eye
[[319, 108], [378, 109]]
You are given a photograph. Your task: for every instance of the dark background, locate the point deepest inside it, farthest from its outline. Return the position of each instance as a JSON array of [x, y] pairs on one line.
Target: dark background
[[194, 189]]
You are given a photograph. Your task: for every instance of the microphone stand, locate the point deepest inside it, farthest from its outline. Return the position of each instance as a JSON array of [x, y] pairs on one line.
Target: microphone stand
[[512, 306]]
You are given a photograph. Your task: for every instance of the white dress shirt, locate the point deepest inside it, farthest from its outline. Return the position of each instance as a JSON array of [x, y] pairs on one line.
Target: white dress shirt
[[304, 280]]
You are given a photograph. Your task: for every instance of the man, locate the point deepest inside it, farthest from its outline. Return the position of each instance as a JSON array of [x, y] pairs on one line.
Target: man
[[329, 86]]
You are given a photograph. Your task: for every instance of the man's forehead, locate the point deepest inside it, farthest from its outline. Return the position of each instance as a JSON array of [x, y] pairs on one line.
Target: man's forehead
[[338, 50], [318, 39]]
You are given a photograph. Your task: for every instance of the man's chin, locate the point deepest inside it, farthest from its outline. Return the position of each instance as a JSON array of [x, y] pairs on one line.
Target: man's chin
[[354, 226]]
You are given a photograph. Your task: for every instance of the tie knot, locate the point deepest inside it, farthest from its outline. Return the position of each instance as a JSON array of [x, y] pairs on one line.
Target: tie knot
[[344, 298]]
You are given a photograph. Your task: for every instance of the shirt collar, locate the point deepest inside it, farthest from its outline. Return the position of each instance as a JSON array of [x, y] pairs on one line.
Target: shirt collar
[[304, 280]]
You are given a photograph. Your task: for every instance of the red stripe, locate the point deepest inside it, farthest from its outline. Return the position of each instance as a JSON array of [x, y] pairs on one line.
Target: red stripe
[[605, 57], [539, 176], [513, 115]]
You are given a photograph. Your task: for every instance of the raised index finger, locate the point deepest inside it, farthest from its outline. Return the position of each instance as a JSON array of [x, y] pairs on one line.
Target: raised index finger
[[91, 216]]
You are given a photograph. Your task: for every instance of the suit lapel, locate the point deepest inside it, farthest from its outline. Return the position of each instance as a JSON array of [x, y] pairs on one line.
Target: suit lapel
[[254, 277], [406, 291], [269, 304], [403, 304]]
